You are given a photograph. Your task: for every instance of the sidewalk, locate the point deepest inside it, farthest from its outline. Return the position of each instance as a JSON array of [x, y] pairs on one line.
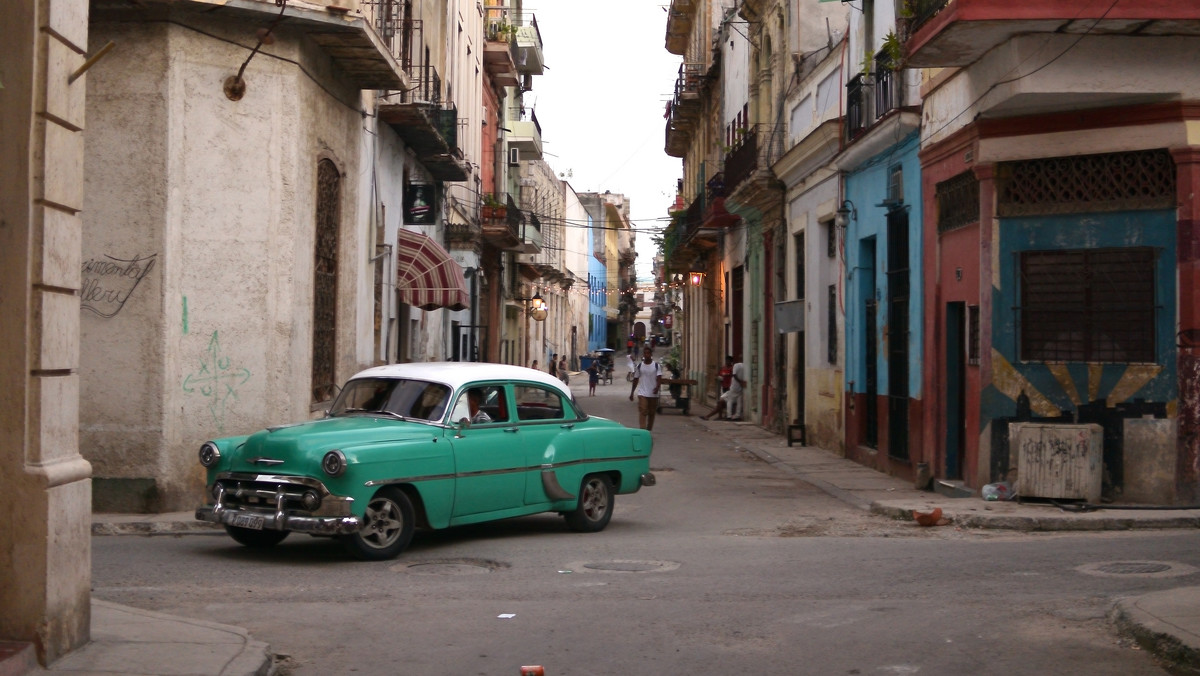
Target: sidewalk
[[1166, 623], [127, 640]]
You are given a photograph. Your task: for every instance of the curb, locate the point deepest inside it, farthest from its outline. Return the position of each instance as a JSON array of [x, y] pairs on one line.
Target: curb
[[154, 528], [1155, 635]]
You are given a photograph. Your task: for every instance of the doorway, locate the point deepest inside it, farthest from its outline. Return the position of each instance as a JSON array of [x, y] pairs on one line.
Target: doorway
[[898, 280], [955, 388]]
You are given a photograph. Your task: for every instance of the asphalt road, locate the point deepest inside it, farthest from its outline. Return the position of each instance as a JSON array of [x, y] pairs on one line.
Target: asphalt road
[[727, 566]]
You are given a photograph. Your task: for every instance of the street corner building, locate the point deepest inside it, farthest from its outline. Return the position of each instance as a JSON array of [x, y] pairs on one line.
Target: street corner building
[[948, 238]]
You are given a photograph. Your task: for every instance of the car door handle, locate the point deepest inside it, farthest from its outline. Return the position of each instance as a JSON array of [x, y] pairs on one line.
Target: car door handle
[[511, 429], [567, 426]]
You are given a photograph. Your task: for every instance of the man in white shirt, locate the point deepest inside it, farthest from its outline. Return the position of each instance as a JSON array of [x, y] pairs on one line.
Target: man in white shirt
[[647, 378], [737, 385]]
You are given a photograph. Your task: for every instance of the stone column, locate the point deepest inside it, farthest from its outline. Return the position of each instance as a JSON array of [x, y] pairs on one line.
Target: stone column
[[1187, 462], [45, 488]]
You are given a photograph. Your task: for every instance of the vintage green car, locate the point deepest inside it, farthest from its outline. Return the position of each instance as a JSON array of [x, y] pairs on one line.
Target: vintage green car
[[431, 445]]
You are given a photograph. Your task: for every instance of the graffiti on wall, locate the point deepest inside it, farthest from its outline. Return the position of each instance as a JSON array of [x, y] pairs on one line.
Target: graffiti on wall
[[216, 379], [108, 282]]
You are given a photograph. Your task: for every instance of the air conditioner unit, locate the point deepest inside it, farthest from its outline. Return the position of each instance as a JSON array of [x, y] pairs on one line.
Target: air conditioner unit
[[514, 157]]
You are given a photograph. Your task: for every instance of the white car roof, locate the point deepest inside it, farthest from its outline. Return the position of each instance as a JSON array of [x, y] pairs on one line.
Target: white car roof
[[458, 373]]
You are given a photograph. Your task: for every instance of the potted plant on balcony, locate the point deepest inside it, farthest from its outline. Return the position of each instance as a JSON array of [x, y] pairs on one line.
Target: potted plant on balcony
[[493, 208]]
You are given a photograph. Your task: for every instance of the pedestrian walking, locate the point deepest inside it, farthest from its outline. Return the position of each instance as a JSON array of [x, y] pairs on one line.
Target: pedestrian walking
[[593, 372], [553, 364], [647, 379], [564, 373]]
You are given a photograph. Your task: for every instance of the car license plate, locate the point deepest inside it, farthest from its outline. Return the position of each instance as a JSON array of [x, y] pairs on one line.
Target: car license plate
[[251, 521]]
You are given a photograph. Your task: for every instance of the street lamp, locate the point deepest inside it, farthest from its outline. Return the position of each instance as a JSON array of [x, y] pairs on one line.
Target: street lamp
[[845, 214], [696, 278], [537, 307]]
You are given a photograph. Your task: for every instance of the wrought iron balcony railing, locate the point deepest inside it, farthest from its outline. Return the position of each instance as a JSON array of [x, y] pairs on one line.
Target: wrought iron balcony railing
[[887, 86], [761, 145], [856, 107]]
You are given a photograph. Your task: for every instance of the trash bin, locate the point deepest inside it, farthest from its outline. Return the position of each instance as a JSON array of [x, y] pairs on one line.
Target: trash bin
[[585, 362]]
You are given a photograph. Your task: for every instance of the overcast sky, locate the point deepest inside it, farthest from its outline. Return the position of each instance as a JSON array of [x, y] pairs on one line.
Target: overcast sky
[[600, 104]]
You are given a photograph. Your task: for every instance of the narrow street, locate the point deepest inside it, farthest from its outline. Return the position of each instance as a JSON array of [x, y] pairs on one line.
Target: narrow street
[[726, 566]]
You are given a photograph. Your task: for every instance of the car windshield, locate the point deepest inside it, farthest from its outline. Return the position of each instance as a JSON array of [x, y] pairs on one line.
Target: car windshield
[[394, 397]]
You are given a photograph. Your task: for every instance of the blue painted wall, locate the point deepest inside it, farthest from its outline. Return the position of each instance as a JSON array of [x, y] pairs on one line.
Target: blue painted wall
[[1154, 229], [866, 264], [597, 294]]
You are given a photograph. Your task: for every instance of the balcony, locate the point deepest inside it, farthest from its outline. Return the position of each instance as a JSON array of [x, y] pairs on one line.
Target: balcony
[[887, 86], [348, 37], [526, 137], [530, 58], [683, 112], [500, 220], [680, 17], [462, 235], [759, 147], [500, 47], [856, 107], [428, 127], [531, 234], [959, 32]]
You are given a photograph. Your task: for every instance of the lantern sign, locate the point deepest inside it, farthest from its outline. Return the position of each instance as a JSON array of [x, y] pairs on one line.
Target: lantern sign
[[419, 204]]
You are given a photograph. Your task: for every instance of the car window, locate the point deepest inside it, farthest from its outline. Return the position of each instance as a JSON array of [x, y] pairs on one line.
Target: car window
[[418, 399], [490, 405], [540, 403]]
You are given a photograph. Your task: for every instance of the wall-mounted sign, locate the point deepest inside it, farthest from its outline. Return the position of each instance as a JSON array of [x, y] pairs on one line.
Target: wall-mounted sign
[[668, 321], [420, 204]]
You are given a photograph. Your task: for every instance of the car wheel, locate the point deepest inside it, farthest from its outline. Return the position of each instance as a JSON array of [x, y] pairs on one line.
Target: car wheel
[[595, 506], [387, 527], [257, 539]]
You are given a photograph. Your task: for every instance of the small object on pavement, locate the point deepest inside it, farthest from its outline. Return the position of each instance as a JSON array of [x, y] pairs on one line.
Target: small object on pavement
[[933, 518], [533, 671], [998, 491]]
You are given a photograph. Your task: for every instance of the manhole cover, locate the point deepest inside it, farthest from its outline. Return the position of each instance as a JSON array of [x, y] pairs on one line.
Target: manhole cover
[[1133, 568], [624, 566], [1138, 568], [451, 567]]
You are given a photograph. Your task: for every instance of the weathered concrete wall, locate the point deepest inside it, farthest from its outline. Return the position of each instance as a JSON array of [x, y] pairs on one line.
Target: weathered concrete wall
[[215, 200], [45, 494]]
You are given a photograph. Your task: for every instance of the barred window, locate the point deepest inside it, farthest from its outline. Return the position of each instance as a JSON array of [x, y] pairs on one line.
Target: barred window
[[957, 201], [1087, 305]]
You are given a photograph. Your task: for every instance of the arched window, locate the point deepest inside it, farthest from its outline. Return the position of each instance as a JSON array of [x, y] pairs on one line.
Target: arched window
[[325, 281]]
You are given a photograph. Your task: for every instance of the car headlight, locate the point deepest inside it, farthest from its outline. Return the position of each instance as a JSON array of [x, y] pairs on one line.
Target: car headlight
[[209, 455], [334, 463]]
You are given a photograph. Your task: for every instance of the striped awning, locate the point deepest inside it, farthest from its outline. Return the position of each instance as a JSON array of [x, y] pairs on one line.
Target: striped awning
[[427, 277]]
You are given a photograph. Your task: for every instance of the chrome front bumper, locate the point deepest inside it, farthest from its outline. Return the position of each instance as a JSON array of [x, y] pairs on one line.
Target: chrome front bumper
[[316, 525], [276, 497]]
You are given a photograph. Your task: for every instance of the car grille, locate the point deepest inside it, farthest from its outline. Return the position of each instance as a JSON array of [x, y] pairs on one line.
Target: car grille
[[271, 494]]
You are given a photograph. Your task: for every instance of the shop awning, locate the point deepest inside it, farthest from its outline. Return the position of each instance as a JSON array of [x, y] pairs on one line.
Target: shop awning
[[427, 277]]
